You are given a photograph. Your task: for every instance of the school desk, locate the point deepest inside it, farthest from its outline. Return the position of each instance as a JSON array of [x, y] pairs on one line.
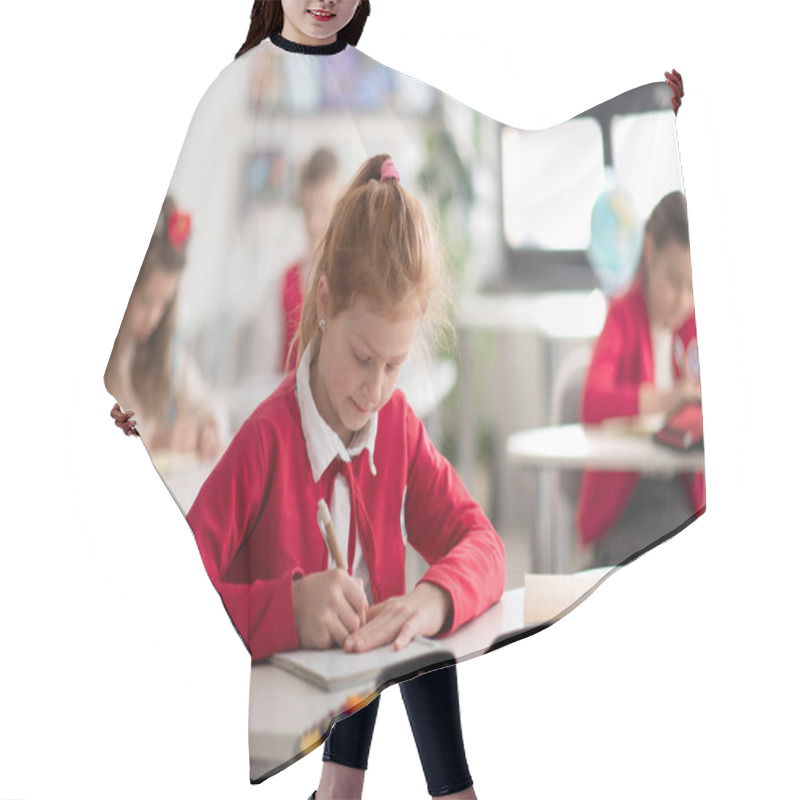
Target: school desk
[[615, 446], [281, 704]]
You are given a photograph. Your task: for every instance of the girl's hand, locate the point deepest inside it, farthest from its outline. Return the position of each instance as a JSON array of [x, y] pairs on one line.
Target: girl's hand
[[328, 606], [675, 82], [662, 401], [124, 420], [423, 612], [688, 391]]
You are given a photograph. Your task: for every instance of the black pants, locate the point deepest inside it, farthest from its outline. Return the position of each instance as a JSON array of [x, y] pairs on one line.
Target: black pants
[[431, 702]]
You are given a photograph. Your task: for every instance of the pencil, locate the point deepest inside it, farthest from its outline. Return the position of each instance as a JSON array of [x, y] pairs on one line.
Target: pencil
[[329, 533]]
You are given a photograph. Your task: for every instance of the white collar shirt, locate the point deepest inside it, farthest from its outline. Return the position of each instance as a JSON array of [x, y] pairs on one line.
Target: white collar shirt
[[324, 446]]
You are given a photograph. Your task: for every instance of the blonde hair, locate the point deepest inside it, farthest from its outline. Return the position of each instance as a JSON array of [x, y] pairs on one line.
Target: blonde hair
[[379, 244]]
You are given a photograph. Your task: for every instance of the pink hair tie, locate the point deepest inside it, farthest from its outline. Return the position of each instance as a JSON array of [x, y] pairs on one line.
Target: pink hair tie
[[389, 170]]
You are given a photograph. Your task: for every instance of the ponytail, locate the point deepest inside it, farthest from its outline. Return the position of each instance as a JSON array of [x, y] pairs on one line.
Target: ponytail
[[379, 244]]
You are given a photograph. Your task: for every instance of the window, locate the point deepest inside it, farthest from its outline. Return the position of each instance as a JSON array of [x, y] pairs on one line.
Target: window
[[634, 139], [552, 178]]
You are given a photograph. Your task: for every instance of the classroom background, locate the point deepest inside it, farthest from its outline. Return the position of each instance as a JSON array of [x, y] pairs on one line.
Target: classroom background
[[539, 229], [113, 631]]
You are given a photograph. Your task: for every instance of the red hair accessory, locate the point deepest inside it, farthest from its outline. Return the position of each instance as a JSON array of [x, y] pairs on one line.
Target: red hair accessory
[[389, 170], [179, 226]]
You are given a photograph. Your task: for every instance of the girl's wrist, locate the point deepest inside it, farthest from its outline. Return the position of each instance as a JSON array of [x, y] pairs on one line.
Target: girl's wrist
[[438, 602]]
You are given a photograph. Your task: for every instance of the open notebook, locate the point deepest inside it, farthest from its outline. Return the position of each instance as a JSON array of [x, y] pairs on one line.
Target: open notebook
[[335, 669]]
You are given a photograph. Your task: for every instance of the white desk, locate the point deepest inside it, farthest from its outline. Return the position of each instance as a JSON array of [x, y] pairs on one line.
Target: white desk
[[288, 713], [554, 315], [598, 447], [612, 447]]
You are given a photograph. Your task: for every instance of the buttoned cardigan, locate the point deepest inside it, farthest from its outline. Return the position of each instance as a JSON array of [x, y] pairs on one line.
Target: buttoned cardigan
[[255, 523]]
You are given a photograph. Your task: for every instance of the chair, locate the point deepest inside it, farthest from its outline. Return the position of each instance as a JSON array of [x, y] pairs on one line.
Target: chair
[[565, 409], [565, 400]]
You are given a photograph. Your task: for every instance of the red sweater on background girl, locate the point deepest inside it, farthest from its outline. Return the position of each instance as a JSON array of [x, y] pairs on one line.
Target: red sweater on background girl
[[622, 362]]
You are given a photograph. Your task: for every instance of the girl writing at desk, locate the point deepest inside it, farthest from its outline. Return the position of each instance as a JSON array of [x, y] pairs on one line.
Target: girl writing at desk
[[336, 429], [645, 361]]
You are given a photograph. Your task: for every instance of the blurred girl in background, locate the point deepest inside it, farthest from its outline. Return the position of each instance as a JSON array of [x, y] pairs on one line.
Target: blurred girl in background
[[645, 361], [176, 410], [319, 182], [316, 192]]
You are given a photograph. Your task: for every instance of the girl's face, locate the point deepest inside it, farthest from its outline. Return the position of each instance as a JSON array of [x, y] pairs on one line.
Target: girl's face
[[148, 304], [668, 283], [360, 354], [316, 22]]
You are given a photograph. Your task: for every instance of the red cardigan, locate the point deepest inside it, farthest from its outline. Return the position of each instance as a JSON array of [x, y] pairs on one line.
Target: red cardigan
[[622, 362], [255, 521]]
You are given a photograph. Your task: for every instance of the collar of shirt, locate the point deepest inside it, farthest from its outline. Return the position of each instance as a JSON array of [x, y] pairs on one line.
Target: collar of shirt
[[322, 443]]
